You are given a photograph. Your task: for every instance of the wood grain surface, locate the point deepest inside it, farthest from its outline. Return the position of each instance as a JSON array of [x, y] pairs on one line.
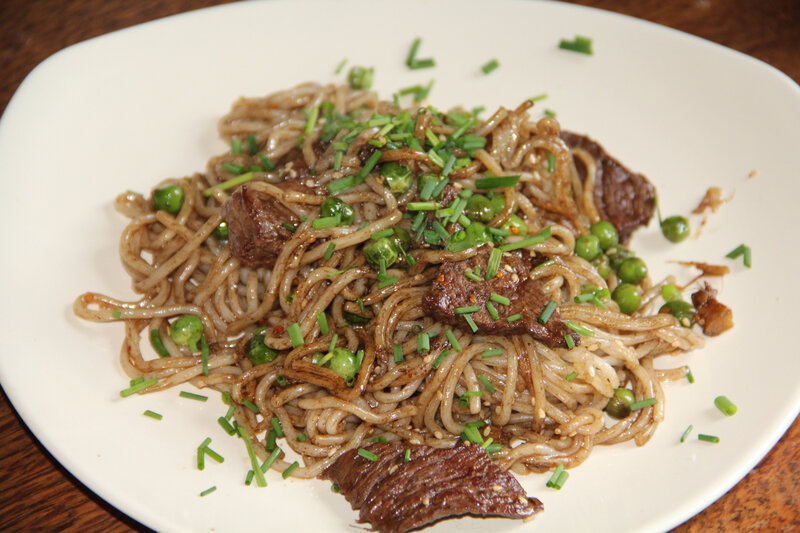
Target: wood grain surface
[[37, 494]]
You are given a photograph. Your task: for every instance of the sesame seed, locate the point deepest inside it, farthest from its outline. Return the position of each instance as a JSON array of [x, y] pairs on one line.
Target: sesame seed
[[438, 434], [514, 277], [497, 488], [487, 430], [426, 501], [508, 268]]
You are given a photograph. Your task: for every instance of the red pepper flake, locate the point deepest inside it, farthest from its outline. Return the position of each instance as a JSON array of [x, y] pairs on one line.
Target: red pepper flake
[[514, 230], [277, 330]]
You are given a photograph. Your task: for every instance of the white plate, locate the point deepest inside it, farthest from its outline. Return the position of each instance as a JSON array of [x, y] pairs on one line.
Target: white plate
[[125, 110]]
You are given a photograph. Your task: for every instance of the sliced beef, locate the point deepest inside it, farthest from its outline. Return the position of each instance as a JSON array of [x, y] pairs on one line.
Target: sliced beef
[[451, 289], [255, 226], [713, 316], [396, 496], [622, 197]]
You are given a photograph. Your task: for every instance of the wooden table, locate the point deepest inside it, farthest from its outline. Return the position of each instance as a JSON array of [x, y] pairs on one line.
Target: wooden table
[[36, 493]]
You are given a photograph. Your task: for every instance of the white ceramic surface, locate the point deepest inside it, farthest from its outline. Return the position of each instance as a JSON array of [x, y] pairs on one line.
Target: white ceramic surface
[[128, 109]]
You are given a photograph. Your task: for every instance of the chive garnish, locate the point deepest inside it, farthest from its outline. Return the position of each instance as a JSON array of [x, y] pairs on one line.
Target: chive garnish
[[223, 422], [572, 375], [494, 352], [379, 438], [289, 227], [276, 424], [472, 433], [440, 187], [472, 276], [422, 206], [465, 310], [326, 222], [441, 358], [273, 456], [153, 414], [492, 311], [423, 345], [341, 66], [635, 406], [530, 241], [281, 380], [493, 448], [493, 263], [499, 299], [708, 438], [551, 162], [496, 182], [472, 324], [204, 353], [741, 250], [383, 233], [366, 454], [556, 473], [266, 162], [158, 346], [233, 168], [259, 475], [136, 388], [727, 407], [233, 182], [570, 341], [538, 97], [580, 330], [250, 405], [289, 469], [295, 335], [686, 432], [252, 145], [312, 120], [193, 396], [412, 62], [249, 478], [579, 44], [236, 146], [407, 456], [230, 412], [547, 312], [214, 455], [323, 323], [335, 487], [453, 342], [486, 383], [329, 251], [208, 491], [514, 317], [689, 375], [136, 381], [490, 66], [269, 445], [116, 314]]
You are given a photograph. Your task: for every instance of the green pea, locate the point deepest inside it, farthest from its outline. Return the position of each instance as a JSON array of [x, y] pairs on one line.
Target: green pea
[[186, 331], [169, 198], [606, 232], [617, 255], [628, 297], [619, 406], [360, 78], [683, 311], [398, 177], [670, 292], [587, 247], [384, 248], [675, 228], [258, 352], [221, 231], [333, 206], [515, 226], [498, 202], [479, 208], [343, 363], [602, 265], [632, 270], [401, 239]]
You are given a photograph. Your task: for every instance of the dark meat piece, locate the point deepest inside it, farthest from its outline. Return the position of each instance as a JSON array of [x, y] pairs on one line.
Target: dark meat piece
[[713, 316], [451, 289], [255, 231], [625, 199], [436, 484]]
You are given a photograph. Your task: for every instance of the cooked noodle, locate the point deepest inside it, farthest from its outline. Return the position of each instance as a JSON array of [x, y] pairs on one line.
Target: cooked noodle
[[541, 417]]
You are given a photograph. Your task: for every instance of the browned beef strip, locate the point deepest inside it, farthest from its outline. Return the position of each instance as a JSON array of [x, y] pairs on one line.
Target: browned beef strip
[[451, 289], [255, 231], [395, 496], [624, 198], [712, 315]]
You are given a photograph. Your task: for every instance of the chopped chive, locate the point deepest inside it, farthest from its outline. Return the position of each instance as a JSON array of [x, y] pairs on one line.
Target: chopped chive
[[686, 432], [269, 445], [453, 342], [226, 398], [538, 97], [383, 233], [266, 162], [572, 375], [487, 443], [440, 231], [153, 414], [295, 335], [570, 341], [249, 478], [551, 162], [302, 437], [335, 487], [136, 381], [499, 299], [422, 63], [493, 448], [260, 480], [158, 346], [359, 358], [727, 407], [289, 469], [379, 438], [580, 330], [208, 491], [496, 182], [580, 44], [223, 422], [486, 383], [471, 393], [116, 314], [136, 388], [289, 227], [273, 456], [550, 113], [426, 193], [492, 311], [440, 187], [214, 455], [707, 438], [545, 264], [387, 280], [635, 406], [471, 323], [422, 206], [313, 115], [472, 276], [231, 411], [458, 209], [556, 473], [562, 478], [323, 323], [493, 263], [193, 396], [329, 251], [250, 405], [441, 358], [236, 146], [252, 145], [369, 165], [341, 184], [465, 310], [490, 66], [494, 352], [407, 456], [204, 353], [547, 312], [281, 380], [326, 222], [744, 250], [689, 375], [530, 241], [473, 434], [366, 454], [514, 317], [423, 344], [233, 182], [233, 168], [341, 66], [412, 54], [276, 424]]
